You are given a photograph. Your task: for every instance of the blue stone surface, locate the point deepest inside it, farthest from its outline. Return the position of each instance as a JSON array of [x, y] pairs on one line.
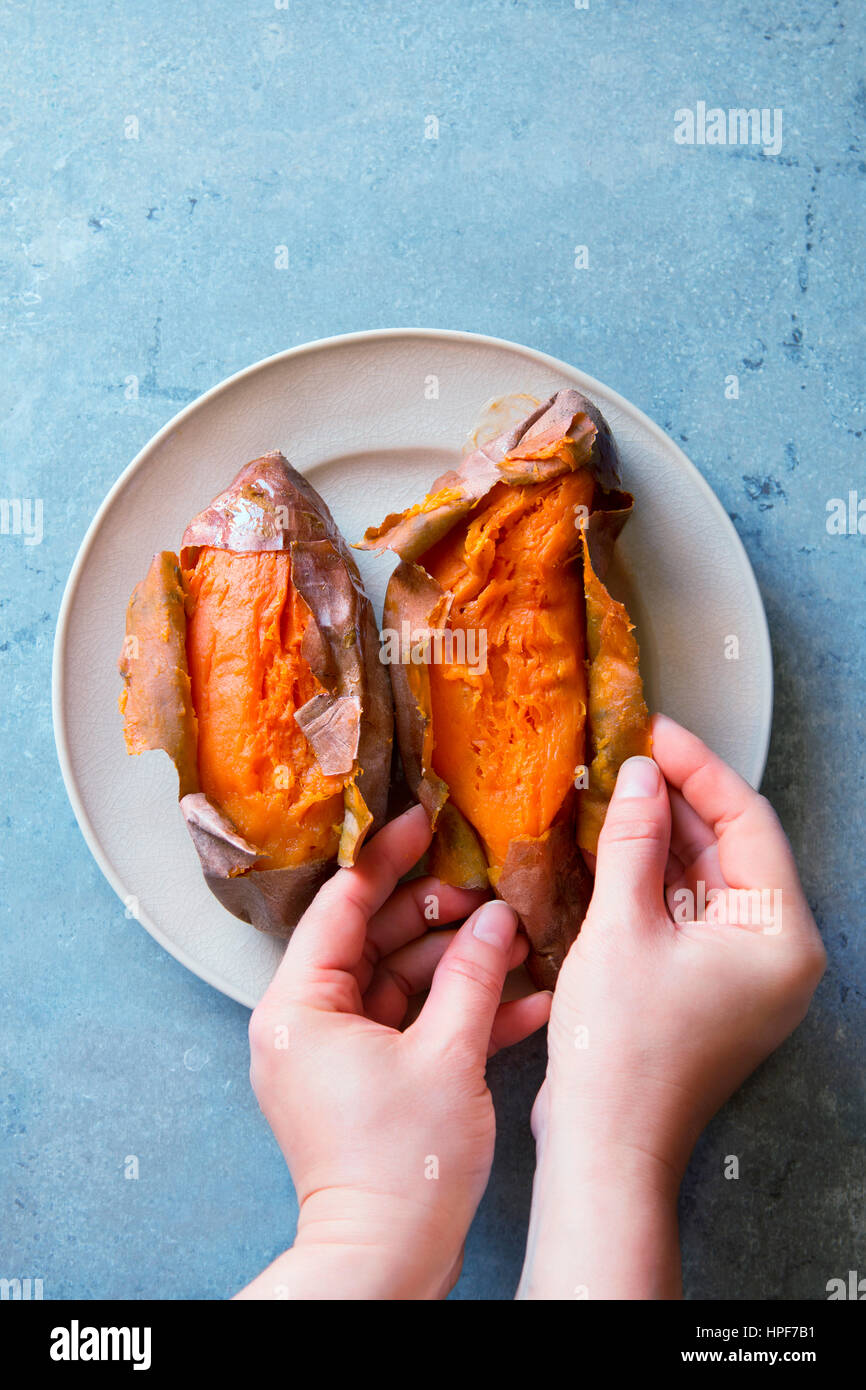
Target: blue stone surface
[[152, 156]]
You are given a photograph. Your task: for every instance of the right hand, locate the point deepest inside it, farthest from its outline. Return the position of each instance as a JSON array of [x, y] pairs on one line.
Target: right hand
[[656, 1021]]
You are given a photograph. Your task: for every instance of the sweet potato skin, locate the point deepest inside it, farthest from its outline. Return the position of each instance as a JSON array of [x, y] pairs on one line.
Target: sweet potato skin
[[158, 712], [547, 883], [348, 724], [617, 710], [544, 877]]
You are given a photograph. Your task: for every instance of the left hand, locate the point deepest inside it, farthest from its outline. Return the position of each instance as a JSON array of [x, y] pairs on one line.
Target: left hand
[[388, 1135]]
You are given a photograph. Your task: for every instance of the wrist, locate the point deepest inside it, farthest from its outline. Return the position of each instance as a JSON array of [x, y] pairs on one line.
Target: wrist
[[609, 1244], [604, 1219], [607, 1158], [378, 1244], [336, 1273], [644, 1127]]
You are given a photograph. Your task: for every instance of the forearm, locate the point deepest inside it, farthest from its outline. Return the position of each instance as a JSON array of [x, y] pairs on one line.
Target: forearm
[[355, 1248], [336, 1273], [603, 1225]]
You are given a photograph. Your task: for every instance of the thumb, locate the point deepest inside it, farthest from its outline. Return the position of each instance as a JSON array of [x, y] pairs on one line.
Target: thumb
[[633, 844], [467, 987]]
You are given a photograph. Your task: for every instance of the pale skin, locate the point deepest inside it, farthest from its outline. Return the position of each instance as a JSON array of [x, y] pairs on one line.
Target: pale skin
[[389, 1134]]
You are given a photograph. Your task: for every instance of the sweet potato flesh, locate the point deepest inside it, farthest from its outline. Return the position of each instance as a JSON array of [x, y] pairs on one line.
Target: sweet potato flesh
[[244, 635], [509, 740]]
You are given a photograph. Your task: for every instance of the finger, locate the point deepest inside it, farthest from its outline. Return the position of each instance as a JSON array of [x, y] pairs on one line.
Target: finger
[[694, 847], [406, 916], [633, 847], [686, 894], [690, 835], [401, 975], [713, 790], [519, 1018], [330, 936], [408, 971], [673, 869], [417, 907], [467, 986], [753, 848]]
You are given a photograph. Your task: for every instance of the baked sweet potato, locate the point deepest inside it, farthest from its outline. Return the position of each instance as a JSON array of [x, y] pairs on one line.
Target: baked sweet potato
[[515, 673], [252, 659]]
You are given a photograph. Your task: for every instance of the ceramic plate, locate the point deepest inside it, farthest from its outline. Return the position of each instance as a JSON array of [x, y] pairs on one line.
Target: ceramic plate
[[372, 419]]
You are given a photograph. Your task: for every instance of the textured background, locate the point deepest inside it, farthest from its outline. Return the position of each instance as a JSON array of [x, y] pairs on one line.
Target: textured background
[[154, 257]]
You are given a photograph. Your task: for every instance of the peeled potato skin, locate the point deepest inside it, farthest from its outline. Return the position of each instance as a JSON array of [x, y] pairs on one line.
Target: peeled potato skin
[[294, 605], [477, 747]]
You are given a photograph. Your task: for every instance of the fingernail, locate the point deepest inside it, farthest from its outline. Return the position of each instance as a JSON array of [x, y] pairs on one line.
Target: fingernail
[[496, 924], [637, 777]]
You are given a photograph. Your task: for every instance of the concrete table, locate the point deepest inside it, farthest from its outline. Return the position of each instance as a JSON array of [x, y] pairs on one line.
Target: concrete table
[[512, 169]]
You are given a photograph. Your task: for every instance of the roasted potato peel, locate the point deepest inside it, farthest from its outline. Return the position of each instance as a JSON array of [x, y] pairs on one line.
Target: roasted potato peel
[[285, 653], [158, 711], [561, 459], [617, 713]]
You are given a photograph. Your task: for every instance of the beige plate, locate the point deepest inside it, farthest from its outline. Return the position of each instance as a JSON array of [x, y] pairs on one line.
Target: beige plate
[[371, 419]]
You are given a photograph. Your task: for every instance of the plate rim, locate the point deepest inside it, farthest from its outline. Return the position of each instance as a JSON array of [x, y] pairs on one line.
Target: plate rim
[[370, 335]]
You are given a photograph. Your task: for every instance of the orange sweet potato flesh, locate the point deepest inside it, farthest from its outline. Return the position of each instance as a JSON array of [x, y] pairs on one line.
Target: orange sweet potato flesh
[[515, 765], [261, 625], [244, 636], [509, 740]]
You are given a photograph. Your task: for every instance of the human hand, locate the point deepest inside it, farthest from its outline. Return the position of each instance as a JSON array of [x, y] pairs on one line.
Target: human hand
[[388, 1135], [655, 1021]]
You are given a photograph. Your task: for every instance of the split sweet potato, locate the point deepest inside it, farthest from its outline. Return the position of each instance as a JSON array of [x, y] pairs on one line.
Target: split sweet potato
[[515, 673], [252, 659]]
